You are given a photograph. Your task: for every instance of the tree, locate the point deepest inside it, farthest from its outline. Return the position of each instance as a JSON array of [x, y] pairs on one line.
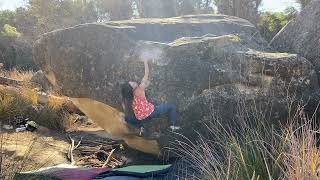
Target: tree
[[170, 8], [6, 38], [115, 9], [194, 6], [271, 23], [6, 17], [15, 51], [72, 12], [25, 23], [156, 8], [186, 7], [303, 3], [246, 9], [207, 6], [55, 14]]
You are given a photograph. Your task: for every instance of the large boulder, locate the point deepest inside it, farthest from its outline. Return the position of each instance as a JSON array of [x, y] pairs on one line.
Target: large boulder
[[91, 60], [302, 35], [199, 63]]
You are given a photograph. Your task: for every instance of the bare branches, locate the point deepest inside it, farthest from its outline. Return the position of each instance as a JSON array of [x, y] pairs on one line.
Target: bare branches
[[71, 148], [109, 157]]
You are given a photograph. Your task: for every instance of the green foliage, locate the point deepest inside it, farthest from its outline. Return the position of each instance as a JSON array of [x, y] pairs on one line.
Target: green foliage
[[10, 32], [271, 23]]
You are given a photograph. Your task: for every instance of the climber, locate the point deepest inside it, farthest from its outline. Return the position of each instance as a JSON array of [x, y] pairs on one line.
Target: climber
[[136, 107]]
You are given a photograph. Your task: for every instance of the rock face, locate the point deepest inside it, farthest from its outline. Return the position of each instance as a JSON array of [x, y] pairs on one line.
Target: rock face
[[302, 35], [41, 80], [201, 63], [91, 60]]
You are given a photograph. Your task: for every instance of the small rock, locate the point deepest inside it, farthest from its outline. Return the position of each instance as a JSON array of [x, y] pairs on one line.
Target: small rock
[[7, 127], [21, 129]]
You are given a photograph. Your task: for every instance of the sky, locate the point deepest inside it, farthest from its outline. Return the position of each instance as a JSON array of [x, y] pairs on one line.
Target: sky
[[10, 4], [267, 5], [278, 5]]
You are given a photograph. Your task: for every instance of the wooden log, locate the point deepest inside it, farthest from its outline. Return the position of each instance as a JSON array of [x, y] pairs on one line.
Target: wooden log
[[10, 82]]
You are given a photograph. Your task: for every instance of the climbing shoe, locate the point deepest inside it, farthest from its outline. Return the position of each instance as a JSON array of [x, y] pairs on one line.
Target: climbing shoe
[[141, 132]]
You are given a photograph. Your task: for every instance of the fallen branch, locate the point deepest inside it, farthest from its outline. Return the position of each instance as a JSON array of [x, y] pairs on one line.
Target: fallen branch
[[94, 154], [10, 82], [71, 148], [109, 157]]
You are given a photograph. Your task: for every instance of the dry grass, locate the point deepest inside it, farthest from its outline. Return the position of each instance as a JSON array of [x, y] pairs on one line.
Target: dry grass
[[30, 95], [303, 156], [18, 75], [24, 102], [253, 150], [13, 103], [55, 102], [52, 118]]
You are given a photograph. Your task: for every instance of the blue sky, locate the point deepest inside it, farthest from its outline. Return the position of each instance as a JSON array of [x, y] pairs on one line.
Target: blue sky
[[268, 5]]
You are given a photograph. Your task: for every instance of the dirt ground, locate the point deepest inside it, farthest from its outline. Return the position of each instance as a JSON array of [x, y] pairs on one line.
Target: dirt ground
[[26, 151]]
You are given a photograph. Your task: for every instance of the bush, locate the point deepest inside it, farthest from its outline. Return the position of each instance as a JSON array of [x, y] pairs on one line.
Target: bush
[[253, 149], [12, 104], [51, 117], [25, 104]]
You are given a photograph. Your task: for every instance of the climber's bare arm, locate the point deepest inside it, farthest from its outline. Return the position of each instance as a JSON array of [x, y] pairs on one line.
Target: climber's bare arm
[[145, 80], [146, 70]]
